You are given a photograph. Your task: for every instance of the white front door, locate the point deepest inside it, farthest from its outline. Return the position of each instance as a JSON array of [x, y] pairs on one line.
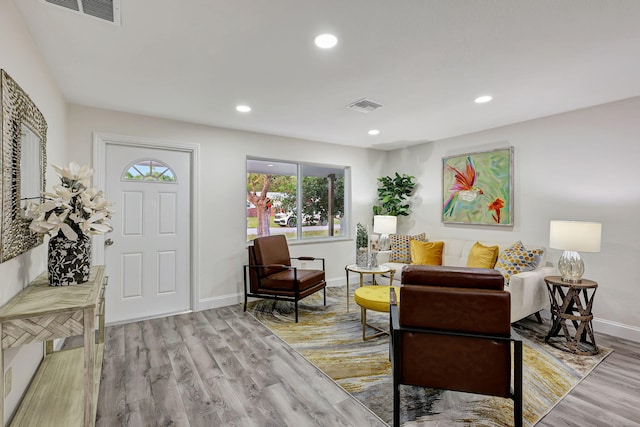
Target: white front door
[[147, 255]]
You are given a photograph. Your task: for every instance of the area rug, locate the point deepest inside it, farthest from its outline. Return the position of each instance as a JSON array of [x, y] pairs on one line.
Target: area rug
[[331, 338]]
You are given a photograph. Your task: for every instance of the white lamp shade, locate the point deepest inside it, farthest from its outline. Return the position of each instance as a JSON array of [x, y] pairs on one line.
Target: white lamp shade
[[575, 236], [384, 224]]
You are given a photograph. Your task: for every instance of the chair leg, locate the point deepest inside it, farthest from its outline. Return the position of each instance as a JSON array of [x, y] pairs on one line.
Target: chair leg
[[296, 304], [244, 280], [396, 404], [363, 318], [517, 384], [325, 295]]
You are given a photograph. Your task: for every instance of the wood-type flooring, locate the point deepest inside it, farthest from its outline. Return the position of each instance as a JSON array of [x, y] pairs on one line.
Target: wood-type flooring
[[221, 367]]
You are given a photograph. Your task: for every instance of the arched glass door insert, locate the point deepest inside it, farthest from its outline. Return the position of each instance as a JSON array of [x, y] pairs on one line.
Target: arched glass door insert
[[149, 170]]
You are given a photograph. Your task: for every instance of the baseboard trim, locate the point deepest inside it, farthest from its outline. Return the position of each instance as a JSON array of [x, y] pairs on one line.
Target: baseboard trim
[[338, 281], [616, 329], [221, 301], [232, 299]]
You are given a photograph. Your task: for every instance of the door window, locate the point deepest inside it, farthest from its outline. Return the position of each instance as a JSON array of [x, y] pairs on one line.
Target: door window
[[149, 170]]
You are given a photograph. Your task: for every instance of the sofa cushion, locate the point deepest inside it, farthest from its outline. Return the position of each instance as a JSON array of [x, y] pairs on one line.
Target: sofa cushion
[[518, 259], [426, 253], [284, 280], [400, 246], [481, 256]]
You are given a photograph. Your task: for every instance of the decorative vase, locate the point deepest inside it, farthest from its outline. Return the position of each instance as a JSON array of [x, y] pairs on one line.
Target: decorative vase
[[362, 245], [362, 257], [372, 259], [69, 261]]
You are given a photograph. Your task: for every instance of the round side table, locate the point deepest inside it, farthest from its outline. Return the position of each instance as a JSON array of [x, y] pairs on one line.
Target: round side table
[[571, 313]]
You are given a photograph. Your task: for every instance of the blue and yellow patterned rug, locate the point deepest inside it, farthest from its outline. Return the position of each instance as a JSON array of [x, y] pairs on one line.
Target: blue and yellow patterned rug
[[331, 338]]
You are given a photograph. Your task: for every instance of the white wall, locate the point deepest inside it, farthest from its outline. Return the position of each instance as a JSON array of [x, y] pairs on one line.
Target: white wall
[[223, 183], [581, 165], [20, 58]]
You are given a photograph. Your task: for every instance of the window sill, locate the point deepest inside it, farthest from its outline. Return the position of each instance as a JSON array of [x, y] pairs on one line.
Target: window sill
[[318, 240]]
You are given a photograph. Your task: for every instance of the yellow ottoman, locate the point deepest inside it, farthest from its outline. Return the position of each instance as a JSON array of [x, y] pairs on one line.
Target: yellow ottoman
[[374, 298]]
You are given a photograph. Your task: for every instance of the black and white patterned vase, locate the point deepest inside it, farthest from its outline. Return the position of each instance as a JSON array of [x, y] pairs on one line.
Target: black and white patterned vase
[[69, 261]]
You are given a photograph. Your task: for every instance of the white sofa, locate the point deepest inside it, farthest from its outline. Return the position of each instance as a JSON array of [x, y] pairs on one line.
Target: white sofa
[[528, 291]]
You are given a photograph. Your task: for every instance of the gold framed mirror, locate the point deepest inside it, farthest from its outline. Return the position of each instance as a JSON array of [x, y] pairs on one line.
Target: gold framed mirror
[[23, 162]]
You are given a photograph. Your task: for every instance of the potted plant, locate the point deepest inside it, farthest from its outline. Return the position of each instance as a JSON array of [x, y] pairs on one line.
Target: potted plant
[[393, 194]]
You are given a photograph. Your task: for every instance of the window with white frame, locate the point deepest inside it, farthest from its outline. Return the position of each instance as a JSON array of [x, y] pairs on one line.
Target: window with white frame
[[298, 199]]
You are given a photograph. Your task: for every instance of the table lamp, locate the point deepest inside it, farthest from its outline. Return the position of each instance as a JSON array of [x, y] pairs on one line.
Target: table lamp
[[384, 225], [574, 236]]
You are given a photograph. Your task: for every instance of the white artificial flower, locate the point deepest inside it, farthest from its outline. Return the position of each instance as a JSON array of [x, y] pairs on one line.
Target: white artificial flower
[[74, 171], [95, 224], [74, 175], [52, 225], [71, 204]]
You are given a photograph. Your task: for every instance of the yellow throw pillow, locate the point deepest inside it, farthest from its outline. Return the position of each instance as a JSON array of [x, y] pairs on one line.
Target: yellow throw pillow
[[481, 256], [426, 253]]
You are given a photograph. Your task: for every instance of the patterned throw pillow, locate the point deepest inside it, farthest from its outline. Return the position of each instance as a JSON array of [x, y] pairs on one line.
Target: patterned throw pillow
[[426, 253], [517, 259], [400, 246]]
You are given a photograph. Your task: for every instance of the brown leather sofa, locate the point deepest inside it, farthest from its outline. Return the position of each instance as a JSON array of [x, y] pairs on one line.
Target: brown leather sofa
[[272, 276], [452, 331]]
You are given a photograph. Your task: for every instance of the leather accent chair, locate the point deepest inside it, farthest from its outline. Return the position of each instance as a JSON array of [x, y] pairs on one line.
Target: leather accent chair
[[453, 332], [272, 276]]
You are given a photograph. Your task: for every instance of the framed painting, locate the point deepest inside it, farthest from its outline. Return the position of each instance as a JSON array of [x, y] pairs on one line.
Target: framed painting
[[477, 188]]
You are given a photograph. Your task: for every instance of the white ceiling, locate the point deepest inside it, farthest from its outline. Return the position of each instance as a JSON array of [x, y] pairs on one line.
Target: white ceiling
[[424, 60]]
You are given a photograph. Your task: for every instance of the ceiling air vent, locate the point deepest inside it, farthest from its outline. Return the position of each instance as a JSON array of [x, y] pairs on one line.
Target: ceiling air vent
[[364, 105], [108, 10]]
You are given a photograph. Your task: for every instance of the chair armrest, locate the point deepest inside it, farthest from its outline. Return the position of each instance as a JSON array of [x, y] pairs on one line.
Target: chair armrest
[[394, 328], [393, 310], [393, 298], [282, 266], [309, 258], [394, 315]]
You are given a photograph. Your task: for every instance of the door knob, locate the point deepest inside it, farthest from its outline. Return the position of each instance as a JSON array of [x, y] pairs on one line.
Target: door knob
[[108, 242]]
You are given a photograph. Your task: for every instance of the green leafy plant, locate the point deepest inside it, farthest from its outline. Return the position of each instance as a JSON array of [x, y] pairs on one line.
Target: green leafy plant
[[393, 194], [362, 236]]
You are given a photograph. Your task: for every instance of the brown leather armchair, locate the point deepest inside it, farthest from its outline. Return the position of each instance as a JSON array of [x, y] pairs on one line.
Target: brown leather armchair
[[271, 275], [452, 331]]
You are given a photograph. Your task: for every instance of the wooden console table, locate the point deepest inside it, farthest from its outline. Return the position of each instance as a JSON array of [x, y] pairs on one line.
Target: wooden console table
[[64, 390]]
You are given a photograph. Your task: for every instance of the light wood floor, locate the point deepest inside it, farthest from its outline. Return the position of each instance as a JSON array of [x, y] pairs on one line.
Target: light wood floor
[[215, 368], [222, 368], [609, 396]]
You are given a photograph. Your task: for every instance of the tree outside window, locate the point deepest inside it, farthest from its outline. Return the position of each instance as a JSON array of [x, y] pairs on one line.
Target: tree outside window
[[273, 191]]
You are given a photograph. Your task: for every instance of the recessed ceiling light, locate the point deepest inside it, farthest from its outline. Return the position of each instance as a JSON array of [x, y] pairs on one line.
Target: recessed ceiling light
[[326, 41], [243, 108], [374, 132], [482, 99]]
